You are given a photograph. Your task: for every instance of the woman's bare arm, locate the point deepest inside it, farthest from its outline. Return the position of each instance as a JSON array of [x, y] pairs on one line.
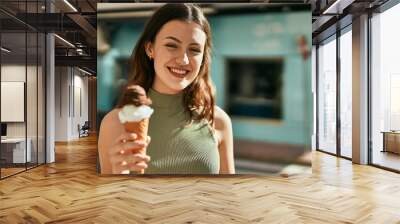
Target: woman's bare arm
[[223, 127], [110, 129]]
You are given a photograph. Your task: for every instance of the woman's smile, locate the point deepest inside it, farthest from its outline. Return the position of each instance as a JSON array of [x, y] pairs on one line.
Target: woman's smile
[[177, 72]]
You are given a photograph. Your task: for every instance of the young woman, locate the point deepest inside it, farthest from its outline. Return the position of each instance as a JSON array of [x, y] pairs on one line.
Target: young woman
[[189, 134]]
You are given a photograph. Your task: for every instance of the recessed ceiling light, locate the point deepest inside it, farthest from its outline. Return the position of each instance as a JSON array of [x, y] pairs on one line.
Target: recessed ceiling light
[[71, 6], [84, 71], [5, 49], [337, 7], [64, 40]]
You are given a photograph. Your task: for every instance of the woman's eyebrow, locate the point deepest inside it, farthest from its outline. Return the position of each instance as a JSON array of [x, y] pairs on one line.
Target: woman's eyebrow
[[174, 38], [179, 41]]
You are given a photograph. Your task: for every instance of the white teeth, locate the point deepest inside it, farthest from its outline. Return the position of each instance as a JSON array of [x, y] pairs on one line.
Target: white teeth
[[178, 71]]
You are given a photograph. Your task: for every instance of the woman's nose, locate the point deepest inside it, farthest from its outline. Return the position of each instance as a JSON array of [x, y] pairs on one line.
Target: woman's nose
[[182, 59]]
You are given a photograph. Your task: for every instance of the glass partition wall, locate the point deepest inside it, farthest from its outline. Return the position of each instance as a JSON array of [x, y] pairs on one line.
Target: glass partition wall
[[345, 92], [22, 79], [13, 86], [334, 94]]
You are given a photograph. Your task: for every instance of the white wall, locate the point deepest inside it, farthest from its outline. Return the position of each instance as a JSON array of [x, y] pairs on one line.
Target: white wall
[[81, 82], [70, 83], [12, 73], [61, 103]]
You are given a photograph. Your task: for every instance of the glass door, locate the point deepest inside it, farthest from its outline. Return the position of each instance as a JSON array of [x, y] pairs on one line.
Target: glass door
[[327, 95], [385, 89]]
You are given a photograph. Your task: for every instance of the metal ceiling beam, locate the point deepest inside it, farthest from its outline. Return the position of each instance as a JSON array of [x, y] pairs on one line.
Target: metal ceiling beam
[[15, 18], [321, 22], [52, 22], [82, 61], [84, 24], [48, 22]]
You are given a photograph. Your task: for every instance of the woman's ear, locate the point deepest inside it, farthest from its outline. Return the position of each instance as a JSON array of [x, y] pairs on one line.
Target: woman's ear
[[149, 50]]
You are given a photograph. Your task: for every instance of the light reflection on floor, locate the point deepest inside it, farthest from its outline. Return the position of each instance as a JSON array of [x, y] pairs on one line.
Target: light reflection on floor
[[245, 166], [386, 159]]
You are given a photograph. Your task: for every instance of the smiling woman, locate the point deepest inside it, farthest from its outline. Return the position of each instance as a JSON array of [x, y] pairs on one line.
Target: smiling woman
[[179, 55], [189, 133]]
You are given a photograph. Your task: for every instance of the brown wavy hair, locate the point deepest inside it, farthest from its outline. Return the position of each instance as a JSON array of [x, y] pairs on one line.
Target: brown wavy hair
[[199, 96]]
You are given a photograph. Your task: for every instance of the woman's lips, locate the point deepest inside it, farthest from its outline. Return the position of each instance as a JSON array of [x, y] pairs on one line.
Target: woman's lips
[[179, 73]]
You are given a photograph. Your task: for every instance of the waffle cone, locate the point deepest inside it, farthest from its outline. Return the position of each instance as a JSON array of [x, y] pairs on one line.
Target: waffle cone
[[140, 128]]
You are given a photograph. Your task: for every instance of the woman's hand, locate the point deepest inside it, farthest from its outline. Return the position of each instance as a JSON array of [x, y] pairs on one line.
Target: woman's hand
[[124, 155]]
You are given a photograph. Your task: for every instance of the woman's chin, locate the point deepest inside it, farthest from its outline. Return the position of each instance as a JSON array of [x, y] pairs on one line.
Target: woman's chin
[[178, 89], [180, 86]]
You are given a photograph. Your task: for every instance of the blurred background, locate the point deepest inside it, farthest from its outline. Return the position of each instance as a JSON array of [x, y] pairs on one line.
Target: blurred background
[[260, 66]]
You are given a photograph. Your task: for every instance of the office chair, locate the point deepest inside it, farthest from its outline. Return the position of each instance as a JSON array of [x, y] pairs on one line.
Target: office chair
[[84, 130]]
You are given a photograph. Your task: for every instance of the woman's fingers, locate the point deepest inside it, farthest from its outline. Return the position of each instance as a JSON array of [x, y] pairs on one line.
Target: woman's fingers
[[125, 137], [124, 156], [127, 147], [126, 160], [129, 167], [120, 170], [122, 164], [132, 167], [137, 166], [133, 146]]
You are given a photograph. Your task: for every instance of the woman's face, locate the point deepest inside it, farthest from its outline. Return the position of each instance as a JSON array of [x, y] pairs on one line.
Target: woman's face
[[177, 53]]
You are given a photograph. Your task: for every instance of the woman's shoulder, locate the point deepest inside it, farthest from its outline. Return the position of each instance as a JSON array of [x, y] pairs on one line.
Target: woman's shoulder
[[223, 131], [222, 121]]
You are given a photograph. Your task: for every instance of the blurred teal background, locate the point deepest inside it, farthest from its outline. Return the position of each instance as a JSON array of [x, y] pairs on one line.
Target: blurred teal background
[[252, 35]]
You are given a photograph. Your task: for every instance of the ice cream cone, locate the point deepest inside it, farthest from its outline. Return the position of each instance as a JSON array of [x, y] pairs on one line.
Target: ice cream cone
[[135, 114], [140, 129]]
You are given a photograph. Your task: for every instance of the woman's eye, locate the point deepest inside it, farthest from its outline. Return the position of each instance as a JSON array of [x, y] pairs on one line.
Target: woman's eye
[[171, 46], [195, 50]]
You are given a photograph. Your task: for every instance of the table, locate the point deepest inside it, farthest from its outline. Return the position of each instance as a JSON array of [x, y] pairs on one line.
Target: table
[[391, 141], [16, 148]]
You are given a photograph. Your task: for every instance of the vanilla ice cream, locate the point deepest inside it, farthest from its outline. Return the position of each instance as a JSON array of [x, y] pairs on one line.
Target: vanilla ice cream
[[132, 113]]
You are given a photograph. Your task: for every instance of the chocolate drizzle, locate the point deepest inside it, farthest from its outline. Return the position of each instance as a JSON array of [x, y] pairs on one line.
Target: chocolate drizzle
[[136, 95]]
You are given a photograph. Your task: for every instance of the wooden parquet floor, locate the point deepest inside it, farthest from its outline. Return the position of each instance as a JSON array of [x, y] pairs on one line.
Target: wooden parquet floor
[[69, 191], [9, 171]]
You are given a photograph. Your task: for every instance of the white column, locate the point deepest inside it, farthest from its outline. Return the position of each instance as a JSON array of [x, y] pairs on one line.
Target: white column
[[50, 94], [360, 90]]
